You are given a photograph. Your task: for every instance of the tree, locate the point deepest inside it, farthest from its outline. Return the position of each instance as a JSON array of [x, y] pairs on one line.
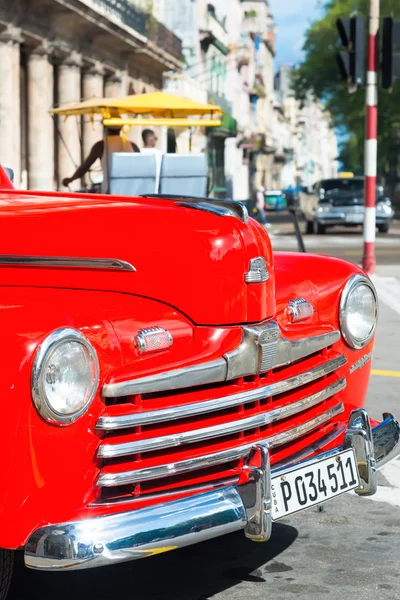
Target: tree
[[319, 75]]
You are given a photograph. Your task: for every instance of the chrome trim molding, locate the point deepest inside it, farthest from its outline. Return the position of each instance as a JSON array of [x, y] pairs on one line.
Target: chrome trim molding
[[123, 536], [260, 350], [257, 351], [57, 338], [258, 272], [213, 371], [110, 423], [288, 352], [222, 208], [73, 262], [350, 286], [216, 431], [224, 456]]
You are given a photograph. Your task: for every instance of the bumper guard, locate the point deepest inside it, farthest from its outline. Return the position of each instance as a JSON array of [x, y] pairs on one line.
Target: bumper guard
[[136, 534]]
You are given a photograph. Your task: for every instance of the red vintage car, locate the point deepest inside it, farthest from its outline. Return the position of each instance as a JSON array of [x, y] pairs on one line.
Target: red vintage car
[[167, 379]]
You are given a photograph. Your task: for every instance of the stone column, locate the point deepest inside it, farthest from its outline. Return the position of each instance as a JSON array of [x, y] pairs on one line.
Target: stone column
[[117, 84], [40, 122], [93, 87], [69, 91], [10, 109]]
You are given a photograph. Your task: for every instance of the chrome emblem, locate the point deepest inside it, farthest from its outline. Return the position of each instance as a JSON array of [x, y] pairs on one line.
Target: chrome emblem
[[258, 272], [256, 353], [360, 363], [152, 339]]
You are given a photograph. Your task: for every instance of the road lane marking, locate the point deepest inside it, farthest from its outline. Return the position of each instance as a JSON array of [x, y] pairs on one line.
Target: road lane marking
[[385, 373]]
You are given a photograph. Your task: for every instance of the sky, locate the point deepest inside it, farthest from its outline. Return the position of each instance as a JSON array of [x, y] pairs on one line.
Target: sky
[[292, 18]]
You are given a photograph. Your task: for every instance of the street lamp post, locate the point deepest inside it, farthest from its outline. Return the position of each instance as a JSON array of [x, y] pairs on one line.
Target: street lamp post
[[371, 144]]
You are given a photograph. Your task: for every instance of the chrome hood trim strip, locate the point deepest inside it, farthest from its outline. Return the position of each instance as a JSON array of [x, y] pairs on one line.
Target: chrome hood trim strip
[[72, 262], [192, 464], [252, 356], [222, 208], [224, 429]]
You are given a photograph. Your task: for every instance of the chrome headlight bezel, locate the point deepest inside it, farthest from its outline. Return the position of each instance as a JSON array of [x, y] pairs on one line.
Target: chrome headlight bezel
[[354, 282], [52, 342]]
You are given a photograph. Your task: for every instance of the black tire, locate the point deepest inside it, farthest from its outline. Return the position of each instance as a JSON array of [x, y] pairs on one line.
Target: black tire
[[6, 570], [321, 229], [383, 228], [309, 227]]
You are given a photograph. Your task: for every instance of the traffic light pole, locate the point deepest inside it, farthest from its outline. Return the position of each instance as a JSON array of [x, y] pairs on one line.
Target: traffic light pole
[[371, 144]]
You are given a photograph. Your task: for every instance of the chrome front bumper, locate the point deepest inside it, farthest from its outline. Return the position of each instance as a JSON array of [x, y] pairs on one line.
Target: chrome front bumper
[[130, 535], [342, 218]]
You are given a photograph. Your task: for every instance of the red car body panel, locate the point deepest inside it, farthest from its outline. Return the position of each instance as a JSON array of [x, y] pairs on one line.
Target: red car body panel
[[186, 258], [189, 279]]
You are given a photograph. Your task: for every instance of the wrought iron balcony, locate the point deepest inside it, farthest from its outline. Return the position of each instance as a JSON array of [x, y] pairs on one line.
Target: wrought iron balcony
[[123, 11], [164, 38], [126, 13]]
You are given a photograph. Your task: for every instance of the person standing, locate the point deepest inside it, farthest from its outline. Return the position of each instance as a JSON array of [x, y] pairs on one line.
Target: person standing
[[260, 205], [149, 147], [102, 150]]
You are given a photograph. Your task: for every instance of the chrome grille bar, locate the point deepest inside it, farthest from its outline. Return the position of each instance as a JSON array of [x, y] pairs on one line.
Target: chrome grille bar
[[243, 360], [110, 423], [224, 429], [213, 371], [185, 466]]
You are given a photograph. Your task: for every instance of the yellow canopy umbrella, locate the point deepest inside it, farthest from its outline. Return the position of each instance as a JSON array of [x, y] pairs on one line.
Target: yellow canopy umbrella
[[158, 105]]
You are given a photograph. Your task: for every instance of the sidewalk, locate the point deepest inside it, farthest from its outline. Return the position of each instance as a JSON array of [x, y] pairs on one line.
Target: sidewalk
[[387, 346]]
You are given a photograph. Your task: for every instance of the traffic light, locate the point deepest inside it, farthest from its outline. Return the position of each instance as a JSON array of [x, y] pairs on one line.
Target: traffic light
[[390, 51], [351, 60]]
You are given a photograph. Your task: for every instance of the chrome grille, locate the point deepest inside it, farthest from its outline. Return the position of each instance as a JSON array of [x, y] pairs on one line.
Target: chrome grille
[[185, 443]]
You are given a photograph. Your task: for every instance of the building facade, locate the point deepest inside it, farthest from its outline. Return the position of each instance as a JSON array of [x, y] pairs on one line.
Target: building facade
[[314, 143], [53, 52]]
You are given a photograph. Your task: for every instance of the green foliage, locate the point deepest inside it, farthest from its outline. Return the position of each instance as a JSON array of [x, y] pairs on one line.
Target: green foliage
[[319, 75]]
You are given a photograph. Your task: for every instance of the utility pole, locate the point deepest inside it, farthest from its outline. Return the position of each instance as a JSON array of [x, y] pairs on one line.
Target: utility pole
[[371, 134]]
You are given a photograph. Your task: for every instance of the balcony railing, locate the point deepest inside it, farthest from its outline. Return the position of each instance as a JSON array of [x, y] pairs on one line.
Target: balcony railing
[[122, 11], [125, 12], [164, 38]]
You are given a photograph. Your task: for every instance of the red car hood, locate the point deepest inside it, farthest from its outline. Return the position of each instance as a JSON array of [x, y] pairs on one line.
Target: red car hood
[[187, 258]]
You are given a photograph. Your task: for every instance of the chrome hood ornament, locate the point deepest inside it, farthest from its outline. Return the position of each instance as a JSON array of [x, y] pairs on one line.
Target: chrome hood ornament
[[258, 272]]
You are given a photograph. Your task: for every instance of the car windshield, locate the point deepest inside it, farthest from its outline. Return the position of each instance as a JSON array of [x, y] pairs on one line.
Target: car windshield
[[345, 186]]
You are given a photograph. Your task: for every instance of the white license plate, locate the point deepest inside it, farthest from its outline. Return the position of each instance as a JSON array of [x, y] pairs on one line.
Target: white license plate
[[355, 218], [313, 484]]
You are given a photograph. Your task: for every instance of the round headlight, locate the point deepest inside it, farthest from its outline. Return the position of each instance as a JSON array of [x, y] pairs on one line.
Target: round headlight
[[358, 311], [65, 376]]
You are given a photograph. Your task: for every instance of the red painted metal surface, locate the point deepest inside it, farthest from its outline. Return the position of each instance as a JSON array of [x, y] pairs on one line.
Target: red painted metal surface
[[189, 280], [184, 257], [5, 183]]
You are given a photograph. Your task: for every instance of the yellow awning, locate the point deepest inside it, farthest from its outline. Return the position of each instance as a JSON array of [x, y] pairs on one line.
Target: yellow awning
[[157, 105], [117, 122]]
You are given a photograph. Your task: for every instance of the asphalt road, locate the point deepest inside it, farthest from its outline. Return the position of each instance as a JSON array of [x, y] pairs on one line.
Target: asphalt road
[[342, 242], [349, 550]]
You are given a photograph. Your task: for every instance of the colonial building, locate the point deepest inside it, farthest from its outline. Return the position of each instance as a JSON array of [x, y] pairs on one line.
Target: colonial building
[[57, 51], [314, 143]]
